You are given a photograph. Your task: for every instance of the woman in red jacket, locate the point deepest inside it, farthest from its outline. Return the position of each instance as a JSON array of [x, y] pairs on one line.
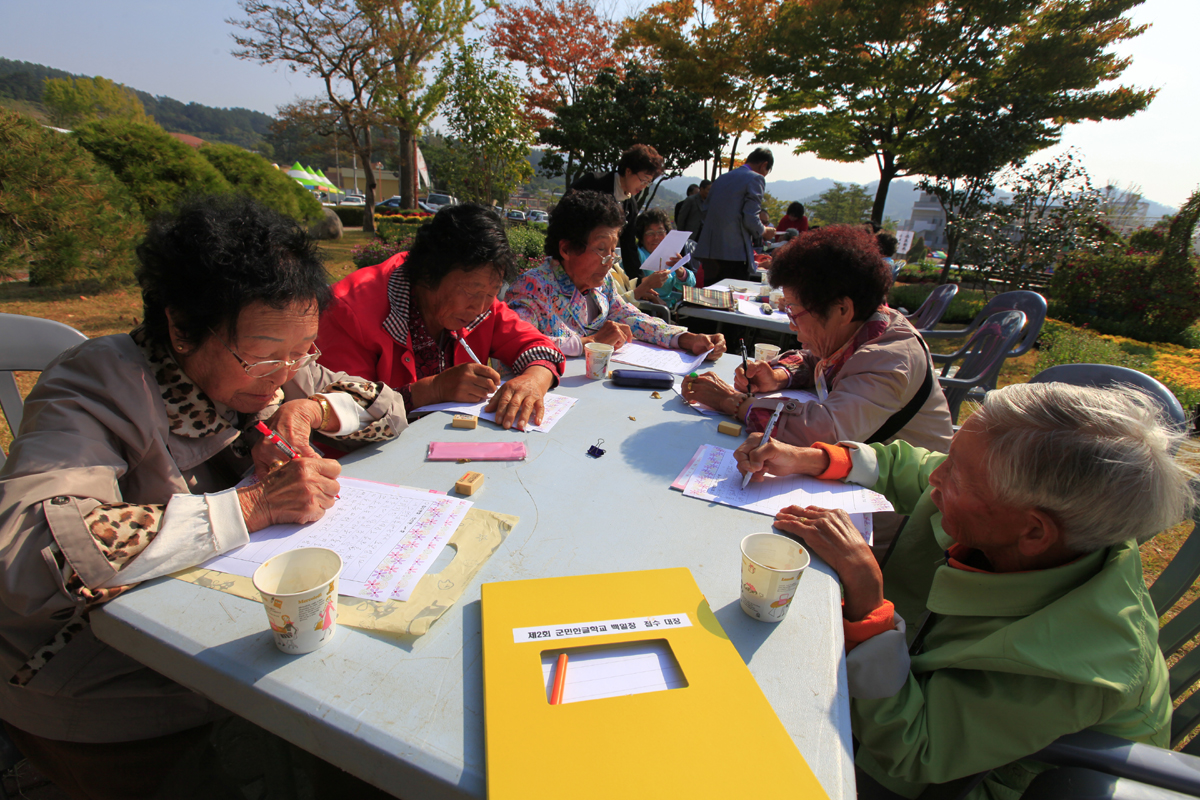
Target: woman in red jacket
[[419, 321]]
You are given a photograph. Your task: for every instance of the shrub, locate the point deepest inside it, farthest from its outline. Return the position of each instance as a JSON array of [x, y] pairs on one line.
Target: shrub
[[351, 216], [157, 169], [527, 241], [395, 232], [378, 251], [63, 217], [252, 175], [916, 250], [1148, 240]]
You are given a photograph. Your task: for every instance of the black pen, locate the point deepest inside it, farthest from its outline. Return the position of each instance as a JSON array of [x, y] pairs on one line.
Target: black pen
[[746, 368]]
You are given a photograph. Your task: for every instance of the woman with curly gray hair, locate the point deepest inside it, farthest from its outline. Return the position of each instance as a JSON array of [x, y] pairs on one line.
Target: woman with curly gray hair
[[1012, 610]]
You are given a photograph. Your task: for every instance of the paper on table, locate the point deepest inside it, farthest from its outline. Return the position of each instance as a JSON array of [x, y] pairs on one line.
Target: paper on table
[[699, 408], [803, 395], [715, 478], [387, 536], [639, 354], [753, 308], [671, 245], [553, 408], [615, 670]]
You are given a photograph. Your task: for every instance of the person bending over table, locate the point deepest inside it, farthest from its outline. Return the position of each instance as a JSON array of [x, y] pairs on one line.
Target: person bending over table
[[865, 362], [404, 322], [652, 228], [572, 299], [124, 470], [1016, 584], [636, 170]]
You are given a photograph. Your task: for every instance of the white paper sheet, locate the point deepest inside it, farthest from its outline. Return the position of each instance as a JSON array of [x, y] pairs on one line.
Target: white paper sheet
[[715, 478], [753, 308], [803, 395], [671, 245], [553, 408], [699, 408], [387, 536], [615, 671], [647, 356]]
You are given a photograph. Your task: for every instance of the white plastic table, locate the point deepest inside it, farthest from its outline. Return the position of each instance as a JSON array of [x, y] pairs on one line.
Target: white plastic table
[[733, 317], [408, 716]]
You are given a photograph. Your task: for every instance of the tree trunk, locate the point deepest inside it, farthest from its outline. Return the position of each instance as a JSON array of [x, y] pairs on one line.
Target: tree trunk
[[733, 149], [408, 168], [951, 249], [887, 171], [364, 152]]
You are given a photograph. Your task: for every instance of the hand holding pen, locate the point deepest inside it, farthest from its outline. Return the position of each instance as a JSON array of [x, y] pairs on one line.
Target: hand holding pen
[[766, 437]]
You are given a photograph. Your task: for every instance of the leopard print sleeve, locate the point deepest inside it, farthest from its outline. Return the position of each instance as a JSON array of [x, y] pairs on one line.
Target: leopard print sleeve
[[364, 393], [122, 530]]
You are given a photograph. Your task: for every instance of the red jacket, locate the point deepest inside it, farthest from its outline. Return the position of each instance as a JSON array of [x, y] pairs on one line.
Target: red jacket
[[364, 332]]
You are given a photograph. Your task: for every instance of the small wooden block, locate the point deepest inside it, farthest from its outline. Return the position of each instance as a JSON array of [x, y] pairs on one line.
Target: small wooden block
[[465, 421], [470, 483], [731, 428]]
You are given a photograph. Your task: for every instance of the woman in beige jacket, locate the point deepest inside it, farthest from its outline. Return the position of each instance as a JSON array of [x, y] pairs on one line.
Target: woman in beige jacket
[[124, 470]]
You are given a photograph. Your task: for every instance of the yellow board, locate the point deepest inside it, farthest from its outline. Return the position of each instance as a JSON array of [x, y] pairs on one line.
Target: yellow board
[[718, 737]]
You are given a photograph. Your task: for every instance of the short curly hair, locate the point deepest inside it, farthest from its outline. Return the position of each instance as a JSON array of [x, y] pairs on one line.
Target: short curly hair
[[826, 265], [467, 237], [577, 215], [887, 243], [217, 254], [640, 158], [655, 216]]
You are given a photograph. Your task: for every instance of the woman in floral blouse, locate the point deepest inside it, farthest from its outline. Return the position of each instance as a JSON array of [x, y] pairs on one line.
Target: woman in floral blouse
[[571, 297]]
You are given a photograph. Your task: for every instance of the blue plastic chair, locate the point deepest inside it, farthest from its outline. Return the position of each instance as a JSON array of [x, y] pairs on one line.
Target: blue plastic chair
[[934, 308], [981, 357], [1104, 375]]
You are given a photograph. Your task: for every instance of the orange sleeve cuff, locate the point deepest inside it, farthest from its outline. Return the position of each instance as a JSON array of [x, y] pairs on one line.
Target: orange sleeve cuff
[[878, 621], [839, 461]]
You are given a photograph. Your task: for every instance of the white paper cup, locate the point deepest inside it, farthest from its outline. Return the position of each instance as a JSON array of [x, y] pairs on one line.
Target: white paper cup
[[771, 570], [299, 592], [596, 357], [765, 352]]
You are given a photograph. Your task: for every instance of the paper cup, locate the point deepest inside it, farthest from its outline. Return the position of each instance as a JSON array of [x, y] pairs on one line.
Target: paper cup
[[765, 352], [771, 569], [596, 357], [299, 592]]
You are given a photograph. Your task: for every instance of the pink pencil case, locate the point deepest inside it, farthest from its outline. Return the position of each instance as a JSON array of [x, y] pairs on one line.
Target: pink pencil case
[[477, 451]]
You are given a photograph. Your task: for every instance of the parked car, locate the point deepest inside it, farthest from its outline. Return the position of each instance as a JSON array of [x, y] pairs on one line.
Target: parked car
[[515, 215], [436, 201], [537, 215], [389, 206], [353, 200]]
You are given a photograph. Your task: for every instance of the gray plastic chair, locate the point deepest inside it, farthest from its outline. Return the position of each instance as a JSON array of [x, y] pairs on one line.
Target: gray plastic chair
[[1031, 303], [1104, 375], [33, 343], [934, 307], [981, 357]]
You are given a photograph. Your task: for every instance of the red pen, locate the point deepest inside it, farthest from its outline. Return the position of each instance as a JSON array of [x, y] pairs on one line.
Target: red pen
[[560, 680], [277, 440]]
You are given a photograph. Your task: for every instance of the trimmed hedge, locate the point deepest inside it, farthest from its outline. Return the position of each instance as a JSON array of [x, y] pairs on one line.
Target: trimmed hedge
[[394, 232], [351, 216]]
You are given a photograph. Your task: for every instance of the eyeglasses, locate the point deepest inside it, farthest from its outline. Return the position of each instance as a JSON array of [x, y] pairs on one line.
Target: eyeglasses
[[261, 369], [606, 260], [794, 312]]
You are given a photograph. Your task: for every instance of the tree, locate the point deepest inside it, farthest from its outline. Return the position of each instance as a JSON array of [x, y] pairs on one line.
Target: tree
[[74, 101], [774, 207], [407, 35], [331, 40], [844, 204], [619, 111], [489, 154], [564, 44], [252, 175], [63, 216], [871, 78], [708, 47]]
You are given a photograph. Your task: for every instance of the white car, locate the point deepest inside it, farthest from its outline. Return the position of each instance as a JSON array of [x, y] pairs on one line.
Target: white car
[[353, 200], [538, 216], [438, 201]]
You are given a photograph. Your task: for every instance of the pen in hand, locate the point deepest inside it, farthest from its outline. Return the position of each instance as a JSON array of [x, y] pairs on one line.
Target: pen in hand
[[463, 341], [277, 440], [766, 438]]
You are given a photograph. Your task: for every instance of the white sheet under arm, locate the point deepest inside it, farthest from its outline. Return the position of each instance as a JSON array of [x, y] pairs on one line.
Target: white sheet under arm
[[195, 528]]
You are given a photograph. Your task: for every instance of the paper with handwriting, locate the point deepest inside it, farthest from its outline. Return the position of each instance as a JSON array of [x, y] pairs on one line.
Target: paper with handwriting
[[648, 356]]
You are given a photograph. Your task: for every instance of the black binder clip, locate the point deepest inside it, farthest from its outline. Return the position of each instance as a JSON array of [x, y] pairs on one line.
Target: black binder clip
[[594, 451]]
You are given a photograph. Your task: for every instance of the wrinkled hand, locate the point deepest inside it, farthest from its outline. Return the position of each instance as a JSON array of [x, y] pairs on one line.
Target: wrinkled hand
[[713, 392], [778, 458], [763, 378], [831, 535], [768, 233], [697, 343], [762, 258], [644, 292], [294, 421], [298, 492], [520, 399], [655, 280], [465, 383], [613, 333]]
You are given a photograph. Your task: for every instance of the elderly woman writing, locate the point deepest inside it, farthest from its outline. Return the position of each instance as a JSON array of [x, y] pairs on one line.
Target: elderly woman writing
[[572, 299], [124, 470], [868, 367], [1016, 585], [419, 321]]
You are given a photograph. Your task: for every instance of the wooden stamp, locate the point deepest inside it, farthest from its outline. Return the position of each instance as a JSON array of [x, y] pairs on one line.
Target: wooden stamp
[[470, 483], [731, 428], [465, 421]]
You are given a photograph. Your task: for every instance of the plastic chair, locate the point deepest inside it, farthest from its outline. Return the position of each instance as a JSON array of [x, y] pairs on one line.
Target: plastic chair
[[1031, 303], [1104, 375], [32, 344], [934, 307], [982, 356]]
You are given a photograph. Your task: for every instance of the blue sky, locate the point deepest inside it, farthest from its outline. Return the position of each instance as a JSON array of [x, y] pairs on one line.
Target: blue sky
[[183, 51]]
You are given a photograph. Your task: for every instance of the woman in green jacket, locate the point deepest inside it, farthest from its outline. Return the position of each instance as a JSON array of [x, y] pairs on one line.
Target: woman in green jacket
[[1016, 585]]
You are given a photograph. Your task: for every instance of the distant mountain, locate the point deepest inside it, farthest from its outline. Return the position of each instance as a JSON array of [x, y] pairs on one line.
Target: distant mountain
[[24, 81]]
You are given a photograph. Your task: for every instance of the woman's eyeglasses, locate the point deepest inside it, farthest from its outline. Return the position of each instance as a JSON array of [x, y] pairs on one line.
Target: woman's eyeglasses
[[261, 369], [794, 312], [606, 260]]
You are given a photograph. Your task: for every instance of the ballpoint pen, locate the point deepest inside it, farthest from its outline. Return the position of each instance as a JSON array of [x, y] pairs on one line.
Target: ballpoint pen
[[463, 341], [746, 368], [766, 438], [277, 440]]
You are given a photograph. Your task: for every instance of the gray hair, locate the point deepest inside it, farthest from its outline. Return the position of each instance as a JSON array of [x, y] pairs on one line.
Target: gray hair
[[1101, 461]]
